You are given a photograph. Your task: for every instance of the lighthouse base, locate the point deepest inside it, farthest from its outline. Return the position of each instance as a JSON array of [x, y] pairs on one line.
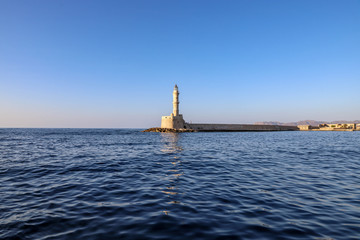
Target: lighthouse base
[[174, 122]]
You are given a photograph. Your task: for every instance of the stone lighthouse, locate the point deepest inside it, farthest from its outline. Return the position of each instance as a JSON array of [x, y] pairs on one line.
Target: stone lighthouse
[[175, 120], [176, 101]]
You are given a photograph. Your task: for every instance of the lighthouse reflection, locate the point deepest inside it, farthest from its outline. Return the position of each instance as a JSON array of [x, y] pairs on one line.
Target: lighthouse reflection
[[174, 168], [171, 142]]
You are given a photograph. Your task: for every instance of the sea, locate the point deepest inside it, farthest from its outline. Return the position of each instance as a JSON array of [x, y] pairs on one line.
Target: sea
[[128, 184]]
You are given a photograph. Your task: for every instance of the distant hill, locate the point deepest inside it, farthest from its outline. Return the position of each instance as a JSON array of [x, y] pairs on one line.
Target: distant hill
[[306, 122]]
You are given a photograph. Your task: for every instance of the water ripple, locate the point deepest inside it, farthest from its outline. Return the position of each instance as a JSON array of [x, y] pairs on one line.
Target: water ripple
[[124, 184]]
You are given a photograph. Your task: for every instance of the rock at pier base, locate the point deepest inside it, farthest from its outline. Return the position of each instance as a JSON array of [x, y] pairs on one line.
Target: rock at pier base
[[168, 130]]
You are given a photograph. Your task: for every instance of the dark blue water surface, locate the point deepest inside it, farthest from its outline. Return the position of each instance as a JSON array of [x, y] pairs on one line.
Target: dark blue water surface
[[125, 184]]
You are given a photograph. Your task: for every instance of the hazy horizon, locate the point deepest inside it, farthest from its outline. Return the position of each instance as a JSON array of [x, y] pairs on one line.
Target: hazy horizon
[[113, 64]]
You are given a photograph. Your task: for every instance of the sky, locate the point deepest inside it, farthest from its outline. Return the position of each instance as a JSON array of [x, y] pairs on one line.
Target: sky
[[114, 64]]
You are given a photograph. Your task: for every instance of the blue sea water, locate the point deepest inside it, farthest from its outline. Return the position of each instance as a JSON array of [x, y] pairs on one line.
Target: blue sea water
[[125, 184]]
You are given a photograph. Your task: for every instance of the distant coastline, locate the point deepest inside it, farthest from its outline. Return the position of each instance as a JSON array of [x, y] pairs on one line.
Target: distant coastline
[[306, 122]]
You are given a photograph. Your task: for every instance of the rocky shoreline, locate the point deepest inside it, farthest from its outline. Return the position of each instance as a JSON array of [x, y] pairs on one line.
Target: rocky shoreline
[[168, 130]]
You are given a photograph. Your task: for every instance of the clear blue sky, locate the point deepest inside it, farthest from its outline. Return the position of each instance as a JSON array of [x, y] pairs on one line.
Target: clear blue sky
[[67, 63]]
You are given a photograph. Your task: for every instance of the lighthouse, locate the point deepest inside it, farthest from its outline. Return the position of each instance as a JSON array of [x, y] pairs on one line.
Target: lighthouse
[[176, 101], [175, 120]]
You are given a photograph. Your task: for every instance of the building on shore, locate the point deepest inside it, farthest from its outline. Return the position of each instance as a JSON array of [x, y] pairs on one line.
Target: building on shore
[[331, 127], [305, 127]]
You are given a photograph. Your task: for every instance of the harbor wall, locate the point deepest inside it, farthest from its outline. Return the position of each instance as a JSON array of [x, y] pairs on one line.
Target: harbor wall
[[238, 127]]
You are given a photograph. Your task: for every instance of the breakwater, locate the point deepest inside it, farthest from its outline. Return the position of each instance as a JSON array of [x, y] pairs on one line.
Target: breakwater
[[168, 130], [199, 127], [239, 128]]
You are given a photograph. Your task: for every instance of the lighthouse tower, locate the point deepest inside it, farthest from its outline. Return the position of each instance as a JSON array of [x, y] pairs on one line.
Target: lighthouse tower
[[176, 101], [175, 120]]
